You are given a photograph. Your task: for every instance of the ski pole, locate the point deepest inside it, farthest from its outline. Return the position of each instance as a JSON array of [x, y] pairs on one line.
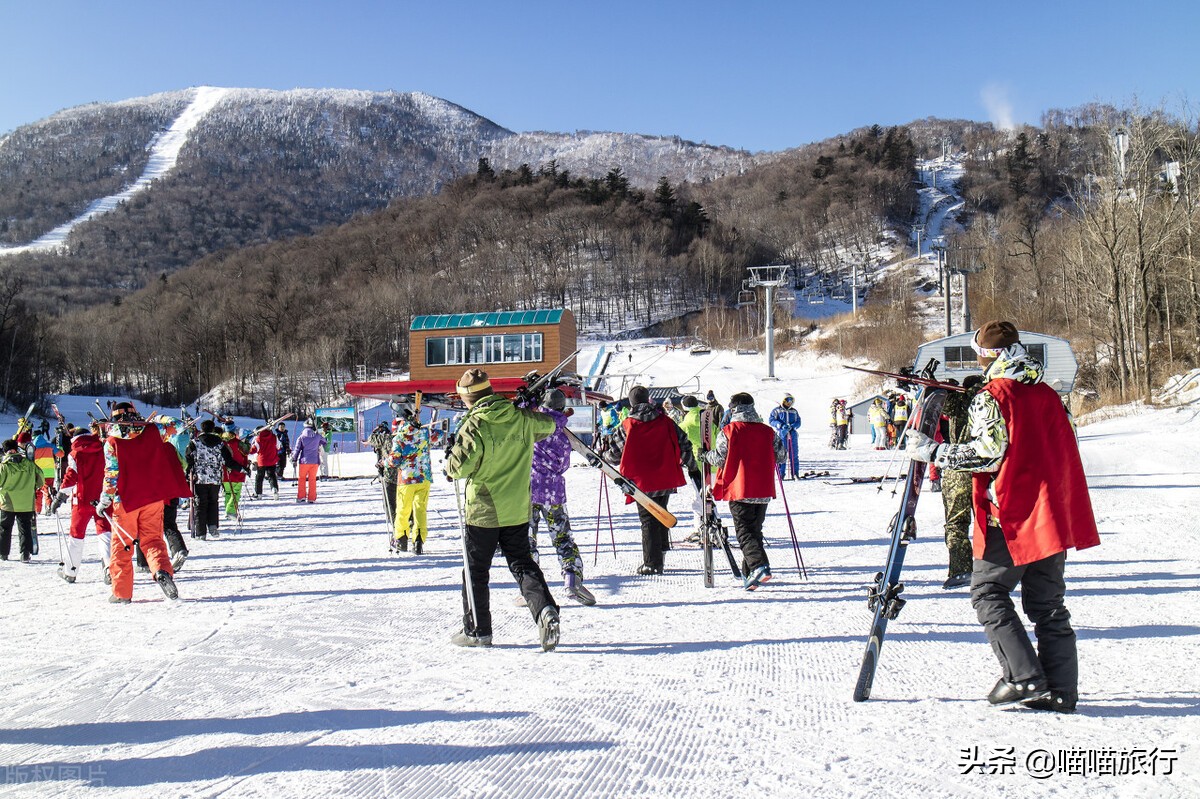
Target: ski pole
[[467, 584], [792, 529], [612, 534], [122, 535], [58, 524]]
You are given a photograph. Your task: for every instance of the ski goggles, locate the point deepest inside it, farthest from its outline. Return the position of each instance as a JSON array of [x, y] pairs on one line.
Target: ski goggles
[[985, 352]]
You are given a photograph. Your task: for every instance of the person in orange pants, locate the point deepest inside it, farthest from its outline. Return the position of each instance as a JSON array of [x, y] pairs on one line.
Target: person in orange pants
[[141, 472], [306, 454]]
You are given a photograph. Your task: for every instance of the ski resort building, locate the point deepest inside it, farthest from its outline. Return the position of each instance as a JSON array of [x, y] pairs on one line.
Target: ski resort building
[[958, 358], [502, 343]]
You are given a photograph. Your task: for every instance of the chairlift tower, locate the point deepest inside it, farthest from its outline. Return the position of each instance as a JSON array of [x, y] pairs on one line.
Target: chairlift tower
[[769, 278]]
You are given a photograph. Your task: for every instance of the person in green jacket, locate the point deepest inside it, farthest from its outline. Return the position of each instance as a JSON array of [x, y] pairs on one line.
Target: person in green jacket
[[19, 481], [493, 452]]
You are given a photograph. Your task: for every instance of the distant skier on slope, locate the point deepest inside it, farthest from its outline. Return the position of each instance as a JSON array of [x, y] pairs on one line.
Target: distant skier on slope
[[747, 452], [1031, 506], [786, 421]]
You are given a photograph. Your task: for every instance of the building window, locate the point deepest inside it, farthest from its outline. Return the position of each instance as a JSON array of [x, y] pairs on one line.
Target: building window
[[963, 358], [957, 358], [461, 350]]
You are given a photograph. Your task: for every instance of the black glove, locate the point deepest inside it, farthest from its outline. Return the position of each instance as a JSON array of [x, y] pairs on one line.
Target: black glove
[[58, 501]]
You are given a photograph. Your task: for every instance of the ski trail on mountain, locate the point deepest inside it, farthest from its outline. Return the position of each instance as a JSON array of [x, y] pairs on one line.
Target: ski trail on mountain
[[164, 154]]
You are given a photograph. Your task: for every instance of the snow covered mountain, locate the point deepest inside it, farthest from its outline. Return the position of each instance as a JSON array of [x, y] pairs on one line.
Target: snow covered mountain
[[290, 161]]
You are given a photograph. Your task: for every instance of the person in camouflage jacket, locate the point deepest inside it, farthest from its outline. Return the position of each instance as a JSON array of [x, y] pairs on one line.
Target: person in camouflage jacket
[[956, 485]]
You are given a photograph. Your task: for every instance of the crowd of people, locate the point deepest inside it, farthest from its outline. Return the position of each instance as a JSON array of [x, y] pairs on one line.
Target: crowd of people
[[1018, 488]]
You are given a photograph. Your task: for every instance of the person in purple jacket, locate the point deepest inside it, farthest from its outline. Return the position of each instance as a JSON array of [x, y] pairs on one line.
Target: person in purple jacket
[[548, 495], [306, 454]]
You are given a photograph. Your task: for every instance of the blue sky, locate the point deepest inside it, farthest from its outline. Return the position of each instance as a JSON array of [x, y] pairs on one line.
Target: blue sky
[[754, 75]]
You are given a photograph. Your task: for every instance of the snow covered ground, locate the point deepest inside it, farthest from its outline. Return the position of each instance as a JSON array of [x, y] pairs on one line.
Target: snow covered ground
[[304, 661]]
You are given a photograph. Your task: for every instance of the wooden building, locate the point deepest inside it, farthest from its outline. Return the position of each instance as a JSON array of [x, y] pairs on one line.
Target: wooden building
[[502, 343]]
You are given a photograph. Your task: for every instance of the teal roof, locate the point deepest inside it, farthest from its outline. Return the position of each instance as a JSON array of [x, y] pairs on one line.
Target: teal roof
[[494, 319]]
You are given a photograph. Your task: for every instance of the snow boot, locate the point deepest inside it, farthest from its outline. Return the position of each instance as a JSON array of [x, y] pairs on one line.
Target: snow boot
[[576, 590], [1009, 693], [68, 576], [1057, 702], [645, 570], [401, 543], [548, 628], [177, 560], [113, 599], [755, 578], [957, 581], [167, 584], [418, 546], [464, 638]]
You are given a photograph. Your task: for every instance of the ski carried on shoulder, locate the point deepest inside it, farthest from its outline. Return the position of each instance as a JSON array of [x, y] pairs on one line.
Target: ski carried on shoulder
[[883, 596], [621, 481], [925, 379]]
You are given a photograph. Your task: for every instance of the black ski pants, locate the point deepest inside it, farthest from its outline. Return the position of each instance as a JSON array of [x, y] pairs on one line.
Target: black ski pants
[[171, 532], [268, 472], [656, 537], [208, 508], [748, 518], [389, 502], [513, 542], [24, 522], [1042, 587]]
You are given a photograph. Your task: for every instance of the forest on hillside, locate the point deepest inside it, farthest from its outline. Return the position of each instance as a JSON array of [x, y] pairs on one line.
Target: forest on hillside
[[618, 256], [1086, 227]]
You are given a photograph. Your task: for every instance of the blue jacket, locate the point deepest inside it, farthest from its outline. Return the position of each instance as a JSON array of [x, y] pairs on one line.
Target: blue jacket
[[785, 420]]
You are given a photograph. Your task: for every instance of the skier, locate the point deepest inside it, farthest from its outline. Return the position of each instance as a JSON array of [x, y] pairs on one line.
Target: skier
[[1031, 505], [409, 458], [551, 459], [710, 400], [285, 446], [833, 417], [62, 438], [81, 485], [956, 485], [171, 532], [380, 441], [141, 470], [493, 452], [878, 417], [46, 455], [786, 421], [233, 480], [900, 416], [327, 450], [691, 426], [207, 459], [843, 417], [307, 457], [265, 450], [19, 481], [649, 449], [747, 452], [670, 410]]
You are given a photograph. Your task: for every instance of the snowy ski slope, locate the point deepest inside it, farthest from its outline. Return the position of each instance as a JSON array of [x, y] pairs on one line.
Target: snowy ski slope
[[303, 661], [164, 154]]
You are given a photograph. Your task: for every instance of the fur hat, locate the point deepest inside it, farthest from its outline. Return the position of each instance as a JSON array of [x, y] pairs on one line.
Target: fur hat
[[474, 385], [741, 398], [993, 338]]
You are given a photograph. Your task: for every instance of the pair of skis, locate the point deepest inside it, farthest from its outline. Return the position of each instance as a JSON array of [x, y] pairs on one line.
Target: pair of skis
[[712, 531], [883, 596]]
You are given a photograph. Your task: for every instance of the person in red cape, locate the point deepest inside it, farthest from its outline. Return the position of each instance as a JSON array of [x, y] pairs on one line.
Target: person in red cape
[[141, 471], [1031, 505], [81, 486], [747, 452], [649, 449]]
